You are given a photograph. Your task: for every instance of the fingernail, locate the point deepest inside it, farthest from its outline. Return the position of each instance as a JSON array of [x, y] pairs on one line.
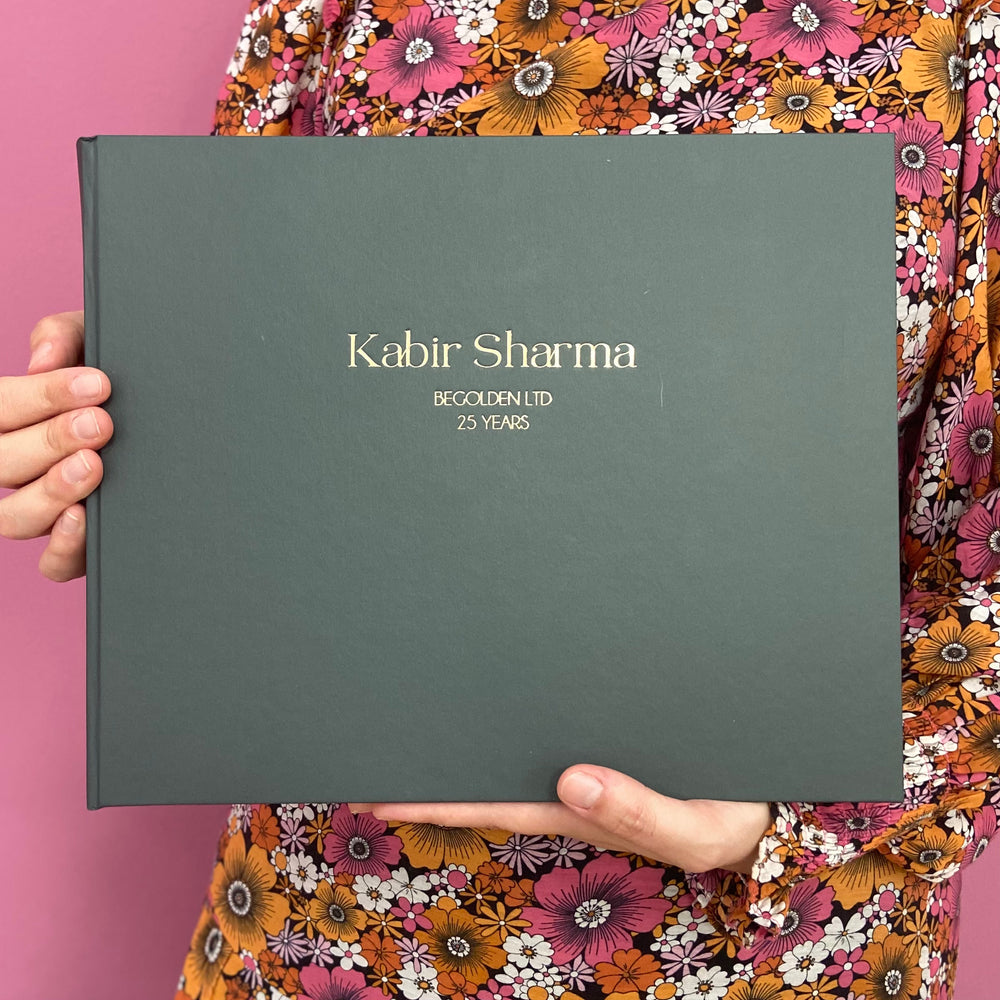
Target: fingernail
[[85, 386], [85, 425], [581, 790], [76, 469], [40, 353], [69, 522]]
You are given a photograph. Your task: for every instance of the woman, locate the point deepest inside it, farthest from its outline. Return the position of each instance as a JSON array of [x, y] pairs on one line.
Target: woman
[[635, 894]]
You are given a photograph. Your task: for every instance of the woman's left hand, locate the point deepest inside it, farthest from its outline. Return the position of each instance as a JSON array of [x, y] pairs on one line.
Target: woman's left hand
[[612, 811]]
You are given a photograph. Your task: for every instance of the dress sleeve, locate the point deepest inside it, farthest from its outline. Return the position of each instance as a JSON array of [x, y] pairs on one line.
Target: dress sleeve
[[948, 349], [273, 81]]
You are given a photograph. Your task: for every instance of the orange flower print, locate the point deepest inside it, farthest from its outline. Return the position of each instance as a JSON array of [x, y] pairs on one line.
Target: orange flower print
[[597, 110], [961, 347], [900, 21], [894, 973], [265, 43], [393, 10], [535, 22], [209, 956], [762, 988], [985, 744], [632, 111], [544, 94], [955, 651], [936, 65], [240, 893], [629, 971], [264, 828], [932, 850], [458, 943], [795, 100], [336, 913], [428, 845]]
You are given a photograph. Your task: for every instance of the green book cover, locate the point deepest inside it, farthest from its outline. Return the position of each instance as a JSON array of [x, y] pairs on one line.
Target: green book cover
[[431, 478]]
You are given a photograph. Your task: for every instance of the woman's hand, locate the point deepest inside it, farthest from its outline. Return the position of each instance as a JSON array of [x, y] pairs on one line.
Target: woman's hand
[[50, 427], [616, 813]]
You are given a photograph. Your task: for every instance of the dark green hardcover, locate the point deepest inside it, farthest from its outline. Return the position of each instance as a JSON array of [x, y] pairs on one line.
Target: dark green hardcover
[[315, 576]]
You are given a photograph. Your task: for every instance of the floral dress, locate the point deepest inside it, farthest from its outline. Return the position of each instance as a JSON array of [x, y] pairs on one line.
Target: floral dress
[[846, 900]]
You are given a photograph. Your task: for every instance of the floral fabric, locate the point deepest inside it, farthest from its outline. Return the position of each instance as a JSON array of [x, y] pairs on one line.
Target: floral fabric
[[846, 900]]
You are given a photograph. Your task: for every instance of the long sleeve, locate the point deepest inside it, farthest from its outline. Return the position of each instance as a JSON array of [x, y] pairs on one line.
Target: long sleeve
[[948, 342], [272, 82]]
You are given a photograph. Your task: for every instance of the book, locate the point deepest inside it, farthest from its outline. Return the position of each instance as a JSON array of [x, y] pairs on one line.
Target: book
[[432, 477]]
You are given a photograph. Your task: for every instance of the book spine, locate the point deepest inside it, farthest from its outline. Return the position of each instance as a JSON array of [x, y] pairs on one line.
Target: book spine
[[86, 149]]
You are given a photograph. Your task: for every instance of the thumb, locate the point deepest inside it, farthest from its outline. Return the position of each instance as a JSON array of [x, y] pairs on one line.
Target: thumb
[[56, 342], [644, 821]]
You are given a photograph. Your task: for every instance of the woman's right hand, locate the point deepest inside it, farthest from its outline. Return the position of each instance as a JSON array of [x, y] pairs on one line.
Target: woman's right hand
[[48, 436]]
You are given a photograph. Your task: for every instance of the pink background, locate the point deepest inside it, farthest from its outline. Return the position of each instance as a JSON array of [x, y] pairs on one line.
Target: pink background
[[103, 904]]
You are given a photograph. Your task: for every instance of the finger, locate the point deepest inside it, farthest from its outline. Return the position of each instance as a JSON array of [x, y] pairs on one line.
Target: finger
[[32, 510], [27, 453], [56, 342], [65, 556], [30, 399], [524, 817], [630, 813]]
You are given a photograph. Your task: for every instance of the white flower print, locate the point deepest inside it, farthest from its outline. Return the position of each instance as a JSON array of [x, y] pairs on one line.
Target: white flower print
[[348, 955], [706, 984], [373, 893], [679, 70], [302, 872], [415, 888], [528, 951], [803, 964], [845, 937], [719, 11], [473, 25], [419, 984]]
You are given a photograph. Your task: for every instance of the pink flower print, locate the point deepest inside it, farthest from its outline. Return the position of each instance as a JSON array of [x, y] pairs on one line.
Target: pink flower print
[[743, 78], [411, 914], [340, 76], [806, 29], [946, 253], [919, 158], [993, 221], [684, 958], [983, 830], [856, 820], [352, 110], [495, 991], [647, 19], [804, 919], [337, 984], [424, 55], [979, 553], [636, 57], [910, 270], [307, 117], [580, 19], [287, 65], [846, 967], [331, 12], [971, 445], [710, 45], [596, 910], [872, 120], [911, 619], [358, 843]]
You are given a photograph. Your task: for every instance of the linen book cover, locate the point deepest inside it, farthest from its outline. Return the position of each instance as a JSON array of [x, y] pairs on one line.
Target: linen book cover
[[431, 494]]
